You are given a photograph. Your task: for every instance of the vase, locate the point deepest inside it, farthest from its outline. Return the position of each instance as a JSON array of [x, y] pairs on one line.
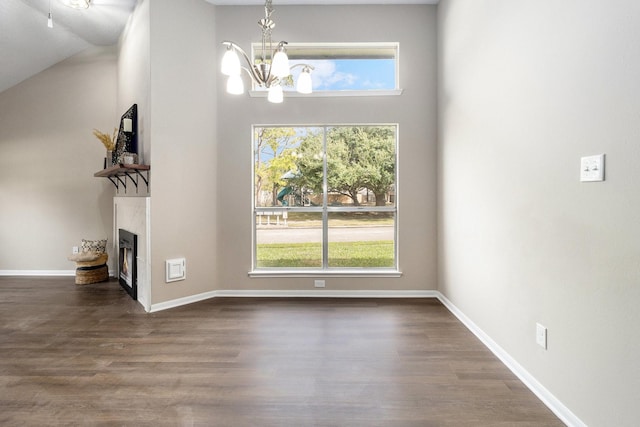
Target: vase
[[109, 161]]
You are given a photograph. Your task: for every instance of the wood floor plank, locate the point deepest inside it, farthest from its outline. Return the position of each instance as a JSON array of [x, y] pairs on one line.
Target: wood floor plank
[[89, 355]]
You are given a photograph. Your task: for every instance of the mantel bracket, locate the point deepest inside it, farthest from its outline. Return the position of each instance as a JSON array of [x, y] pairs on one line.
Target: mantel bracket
[[133, 172]]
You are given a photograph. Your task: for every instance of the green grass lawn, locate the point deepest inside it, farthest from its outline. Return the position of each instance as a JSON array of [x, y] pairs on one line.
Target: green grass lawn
[[341, 254]]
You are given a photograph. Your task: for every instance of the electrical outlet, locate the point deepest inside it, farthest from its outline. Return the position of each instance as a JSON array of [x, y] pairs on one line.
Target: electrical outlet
[[318, 283], [75, 249], [541, 336]]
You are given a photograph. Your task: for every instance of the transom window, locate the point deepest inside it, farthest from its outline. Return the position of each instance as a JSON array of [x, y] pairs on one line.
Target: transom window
[[340, 67], [325, 197]]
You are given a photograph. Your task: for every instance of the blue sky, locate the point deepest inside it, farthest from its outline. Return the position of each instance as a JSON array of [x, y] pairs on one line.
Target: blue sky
[[378, 74]]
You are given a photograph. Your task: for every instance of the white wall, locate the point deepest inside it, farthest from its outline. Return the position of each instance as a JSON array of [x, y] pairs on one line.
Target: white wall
[[415, 111], [526, 88], [49, 199]]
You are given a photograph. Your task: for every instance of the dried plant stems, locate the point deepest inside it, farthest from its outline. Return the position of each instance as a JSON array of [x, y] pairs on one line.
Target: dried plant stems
[[107, 140]]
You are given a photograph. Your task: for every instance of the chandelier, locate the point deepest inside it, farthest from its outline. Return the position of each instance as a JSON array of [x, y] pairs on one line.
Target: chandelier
[[270, 71]]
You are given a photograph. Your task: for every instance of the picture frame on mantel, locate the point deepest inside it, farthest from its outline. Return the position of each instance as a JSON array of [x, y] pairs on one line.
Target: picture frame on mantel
[[127, 141]]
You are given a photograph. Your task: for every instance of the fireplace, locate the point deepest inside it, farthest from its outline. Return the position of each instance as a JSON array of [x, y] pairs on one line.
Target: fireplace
[[127, 262]]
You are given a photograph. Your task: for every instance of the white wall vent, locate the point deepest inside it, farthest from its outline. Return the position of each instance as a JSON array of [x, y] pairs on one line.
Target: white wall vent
[[176, 269]]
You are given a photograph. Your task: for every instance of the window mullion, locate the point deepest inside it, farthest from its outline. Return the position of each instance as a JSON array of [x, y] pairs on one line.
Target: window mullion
[[325, 203]]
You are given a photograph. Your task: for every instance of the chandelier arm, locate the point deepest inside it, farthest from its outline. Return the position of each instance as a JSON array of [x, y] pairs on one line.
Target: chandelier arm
[[255, 76], [251, 73], [238, 48], [280, 44], [311, 67]]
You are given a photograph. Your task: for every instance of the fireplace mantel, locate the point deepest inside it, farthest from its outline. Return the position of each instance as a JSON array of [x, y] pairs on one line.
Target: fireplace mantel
[[118, 175]]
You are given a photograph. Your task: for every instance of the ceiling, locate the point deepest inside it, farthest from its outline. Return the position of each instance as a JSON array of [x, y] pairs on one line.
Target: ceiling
[[317, 2], [28, 46]]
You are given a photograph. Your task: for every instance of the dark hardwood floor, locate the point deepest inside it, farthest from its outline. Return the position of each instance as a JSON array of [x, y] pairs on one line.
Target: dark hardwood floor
[[89, 355]]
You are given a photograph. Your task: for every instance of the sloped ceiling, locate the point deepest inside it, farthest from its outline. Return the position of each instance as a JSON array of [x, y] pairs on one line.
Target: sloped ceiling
[[28, 46]]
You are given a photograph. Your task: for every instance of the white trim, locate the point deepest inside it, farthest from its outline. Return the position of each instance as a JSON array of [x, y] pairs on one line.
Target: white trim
[[552, 402], [255, 293], [45, 273], [330, 93], [37, 272], [324, 273], [181, 301], [326, 294]]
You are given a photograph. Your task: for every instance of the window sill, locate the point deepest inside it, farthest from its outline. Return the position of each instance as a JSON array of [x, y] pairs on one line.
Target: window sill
[[325, 273], [330, 93]]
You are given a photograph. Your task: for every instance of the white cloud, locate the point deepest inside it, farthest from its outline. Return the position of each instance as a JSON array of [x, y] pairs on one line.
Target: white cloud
[[325, 76], [373, 84]]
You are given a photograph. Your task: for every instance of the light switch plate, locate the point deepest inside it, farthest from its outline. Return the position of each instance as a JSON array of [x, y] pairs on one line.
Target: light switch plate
[[176, 269], [541, 336], [592, 168]]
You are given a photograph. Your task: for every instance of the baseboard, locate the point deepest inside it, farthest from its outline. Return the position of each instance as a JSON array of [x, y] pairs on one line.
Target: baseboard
[[181, 301], [318, 293], [37, 272], [290, 294], [44, 273], [555, 405]]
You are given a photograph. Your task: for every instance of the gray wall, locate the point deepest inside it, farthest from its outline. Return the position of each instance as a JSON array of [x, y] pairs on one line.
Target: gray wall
[[134, 75], [527, 88], [49, 199], [166, 62], [415, 111], [183, 155]]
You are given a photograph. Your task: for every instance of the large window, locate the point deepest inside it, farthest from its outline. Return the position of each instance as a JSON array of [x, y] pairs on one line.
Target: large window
[[325, 198]]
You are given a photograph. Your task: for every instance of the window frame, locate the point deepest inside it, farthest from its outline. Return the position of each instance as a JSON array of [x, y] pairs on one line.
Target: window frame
[[337, 46], [325, 210]]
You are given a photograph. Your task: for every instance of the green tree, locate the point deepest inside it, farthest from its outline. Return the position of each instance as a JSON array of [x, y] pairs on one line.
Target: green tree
[[309, 163], [273, 151], [376, 147], [358, 157]]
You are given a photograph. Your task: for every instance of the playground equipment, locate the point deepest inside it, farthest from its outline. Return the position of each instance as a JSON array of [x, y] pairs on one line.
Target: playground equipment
[[281, 195]]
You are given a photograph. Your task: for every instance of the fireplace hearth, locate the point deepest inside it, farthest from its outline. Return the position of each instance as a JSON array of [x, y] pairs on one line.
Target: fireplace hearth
[[127, 262]]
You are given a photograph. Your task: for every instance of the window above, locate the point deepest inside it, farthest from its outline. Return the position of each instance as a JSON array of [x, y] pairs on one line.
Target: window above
[[352, 69]]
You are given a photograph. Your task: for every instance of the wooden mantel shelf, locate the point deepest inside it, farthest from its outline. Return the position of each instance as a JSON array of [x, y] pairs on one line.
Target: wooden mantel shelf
[[116, 173]]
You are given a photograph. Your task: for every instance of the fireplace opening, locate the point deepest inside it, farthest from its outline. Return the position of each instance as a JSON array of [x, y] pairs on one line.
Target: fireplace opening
[[127, 262]]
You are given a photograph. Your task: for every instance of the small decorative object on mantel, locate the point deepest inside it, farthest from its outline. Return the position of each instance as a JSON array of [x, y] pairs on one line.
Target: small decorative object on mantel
[[129, 158], [127, 141], [109, 142]]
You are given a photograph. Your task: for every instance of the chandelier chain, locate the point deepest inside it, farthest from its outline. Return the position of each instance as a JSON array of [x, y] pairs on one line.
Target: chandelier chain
[[267, 26], [271, 70], [268, 9]]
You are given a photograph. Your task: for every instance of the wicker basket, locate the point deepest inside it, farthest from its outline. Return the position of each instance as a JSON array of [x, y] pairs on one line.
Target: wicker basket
[[88, 275], [91, 269]]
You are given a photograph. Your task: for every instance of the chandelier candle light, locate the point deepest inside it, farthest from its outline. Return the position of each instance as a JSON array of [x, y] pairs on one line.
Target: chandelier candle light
[[269, 75]]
